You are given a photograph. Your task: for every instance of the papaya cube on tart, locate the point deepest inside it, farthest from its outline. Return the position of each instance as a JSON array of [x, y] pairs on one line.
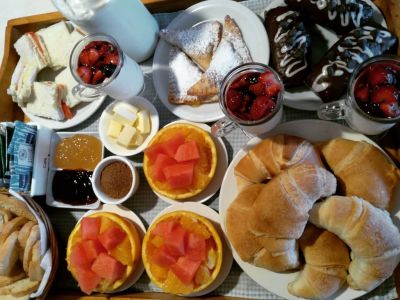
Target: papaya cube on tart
[[180, 161], [182, 252], [105, 261]]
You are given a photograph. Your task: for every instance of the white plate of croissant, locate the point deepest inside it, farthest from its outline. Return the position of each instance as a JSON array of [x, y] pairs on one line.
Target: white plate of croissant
[[306, 211], [198, 48]]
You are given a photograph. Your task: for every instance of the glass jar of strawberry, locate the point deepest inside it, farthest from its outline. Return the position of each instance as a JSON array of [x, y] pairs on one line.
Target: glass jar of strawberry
[[251, 98]]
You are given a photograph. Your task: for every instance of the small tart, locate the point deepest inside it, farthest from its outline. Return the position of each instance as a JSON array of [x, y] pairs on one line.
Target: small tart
[[208, 271], [127, 252], [205, 166]]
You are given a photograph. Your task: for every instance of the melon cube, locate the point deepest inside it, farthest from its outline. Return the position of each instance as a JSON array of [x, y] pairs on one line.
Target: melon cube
[[176, 241], [90, 228], [161, 162], [164, 228], [93, 248], [163, 257], [112, 237], [179, 175], [78, 257], [171, 145], [87, 280], [196, 247], [187, 152], [153, 151], [185, 269], [107, 267]]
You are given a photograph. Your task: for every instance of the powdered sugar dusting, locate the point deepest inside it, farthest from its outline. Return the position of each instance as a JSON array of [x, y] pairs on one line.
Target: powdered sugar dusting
[[183, 74], [199, 40], [232, 33]]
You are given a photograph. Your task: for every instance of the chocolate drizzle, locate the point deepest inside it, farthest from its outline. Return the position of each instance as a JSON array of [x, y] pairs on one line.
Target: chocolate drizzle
[[328, 79], [339, 15], [290, 43]]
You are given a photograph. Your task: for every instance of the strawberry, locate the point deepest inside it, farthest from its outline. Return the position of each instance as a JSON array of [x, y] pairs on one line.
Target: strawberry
[[390, 110], [262, 105], [234, 100], [98, 77], [272, 85], [258, 88], [387, 94], [85, 74], [111, 58], [93, 55], [84, 58], [273, 89], [241, 82], [362, 93], [380, 75]]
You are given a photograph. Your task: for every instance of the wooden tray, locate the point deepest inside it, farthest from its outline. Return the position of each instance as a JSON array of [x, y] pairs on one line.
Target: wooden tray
[[9, 111]]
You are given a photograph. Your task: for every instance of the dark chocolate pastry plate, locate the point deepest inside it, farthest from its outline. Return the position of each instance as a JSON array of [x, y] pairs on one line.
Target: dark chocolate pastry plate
[[321, 40]]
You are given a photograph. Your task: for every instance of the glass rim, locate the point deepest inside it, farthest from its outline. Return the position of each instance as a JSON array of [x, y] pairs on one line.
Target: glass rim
[[78, 46], [232, 75], [353, 78]]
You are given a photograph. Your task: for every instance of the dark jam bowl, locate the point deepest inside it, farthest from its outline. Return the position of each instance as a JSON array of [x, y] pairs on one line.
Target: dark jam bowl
[[359, 75], [80, 47], [236, 73]]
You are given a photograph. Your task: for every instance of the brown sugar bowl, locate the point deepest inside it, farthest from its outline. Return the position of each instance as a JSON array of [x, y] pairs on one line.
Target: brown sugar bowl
[[115, 179]]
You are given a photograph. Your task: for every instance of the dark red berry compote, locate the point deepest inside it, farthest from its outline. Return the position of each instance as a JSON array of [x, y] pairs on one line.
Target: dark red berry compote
[[377, 89], [97, 61], [253, 95]]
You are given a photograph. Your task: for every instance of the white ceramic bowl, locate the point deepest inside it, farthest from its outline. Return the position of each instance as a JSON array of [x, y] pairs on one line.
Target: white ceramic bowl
[[103, 197], [111, 144]]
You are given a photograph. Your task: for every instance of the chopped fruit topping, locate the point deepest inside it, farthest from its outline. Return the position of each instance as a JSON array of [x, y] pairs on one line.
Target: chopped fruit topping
[[262, 105], [112, 237], [176, 241], [79, 257], [390, 110], [185, 269], [90, 228], [153, 151], [380, 74], [157, 241], [187, 151], [203, 275], [174, 285], [171, 146], [234, 100], [162, 161], [107, 267], [87, 279], [257, 89], [211, 259], [164, 228], [196, 247], [163, 257], [179, 175], [387, 94], [97, 61], [362, 93], [93, 248]]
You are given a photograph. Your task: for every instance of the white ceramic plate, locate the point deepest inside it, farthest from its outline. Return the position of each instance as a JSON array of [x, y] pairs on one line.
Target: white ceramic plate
[[222, 164], [132, 217], [213, 216], [110, 144], [254, 35], [314, 131], [322, 39]]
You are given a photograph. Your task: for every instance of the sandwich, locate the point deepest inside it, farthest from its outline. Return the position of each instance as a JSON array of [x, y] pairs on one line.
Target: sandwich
[[56, 39], [31, 49], [46, 100], [22, 80], [65, 78]]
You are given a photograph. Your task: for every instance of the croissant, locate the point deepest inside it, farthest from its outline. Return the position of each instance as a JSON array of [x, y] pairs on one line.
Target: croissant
[[327, 260], [362, 170], [369, 232], [271, 156], [264, 220]]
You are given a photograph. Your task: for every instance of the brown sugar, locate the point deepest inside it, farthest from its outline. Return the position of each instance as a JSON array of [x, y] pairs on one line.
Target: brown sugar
[[116, 180]]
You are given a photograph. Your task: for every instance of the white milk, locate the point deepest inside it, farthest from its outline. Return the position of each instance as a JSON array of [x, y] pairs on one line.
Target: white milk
[[128, 21]]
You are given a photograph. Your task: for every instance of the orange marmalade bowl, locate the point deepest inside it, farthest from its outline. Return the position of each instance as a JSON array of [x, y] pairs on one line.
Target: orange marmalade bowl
[[124, 252], [177, 269], [168, 139]]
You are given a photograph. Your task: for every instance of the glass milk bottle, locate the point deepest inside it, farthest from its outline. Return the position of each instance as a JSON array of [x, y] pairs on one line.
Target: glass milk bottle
[[128, 21]]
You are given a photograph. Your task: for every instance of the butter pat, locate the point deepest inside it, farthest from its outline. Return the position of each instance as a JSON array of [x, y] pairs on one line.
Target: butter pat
[[114, 129], [126, 136], [139, 139], [143, 123], [125, 113]]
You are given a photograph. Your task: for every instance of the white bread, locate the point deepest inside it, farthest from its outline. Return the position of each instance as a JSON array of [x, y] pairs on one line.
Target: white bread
[[369, 232], [31, 49], [9, 254], [17, 207], [11, 226], [34, 236], [269, 157], [35, 271], [24, 233], [66, 79], [46, 100], [22, 80], [326, 262], [363, 171]]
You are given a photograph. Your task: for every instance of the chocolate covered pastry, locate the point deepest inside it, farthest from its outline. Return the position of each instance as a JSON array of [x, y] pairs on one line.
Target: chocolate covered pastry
[[328, 79], [290, 44], [339, 15]]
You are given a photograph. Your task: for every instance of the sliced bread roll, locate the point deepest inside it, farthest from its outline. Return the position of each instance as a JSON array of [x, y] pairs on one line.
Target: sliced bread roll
[[24, 233], [32, 239], [16, 274], [9, 254], [19, 288], [35, 271], [12, 226]]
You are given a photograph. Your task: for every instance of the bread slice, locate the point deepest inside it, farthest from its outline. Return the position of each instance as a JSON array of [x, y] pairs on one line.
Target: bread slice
[[14, 225], [9, 254], [16, 274], [198, 42], [32, 239], [17, 207], [24, 233], [35, 271], [11, 297], [5, 216], [20, 288]]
